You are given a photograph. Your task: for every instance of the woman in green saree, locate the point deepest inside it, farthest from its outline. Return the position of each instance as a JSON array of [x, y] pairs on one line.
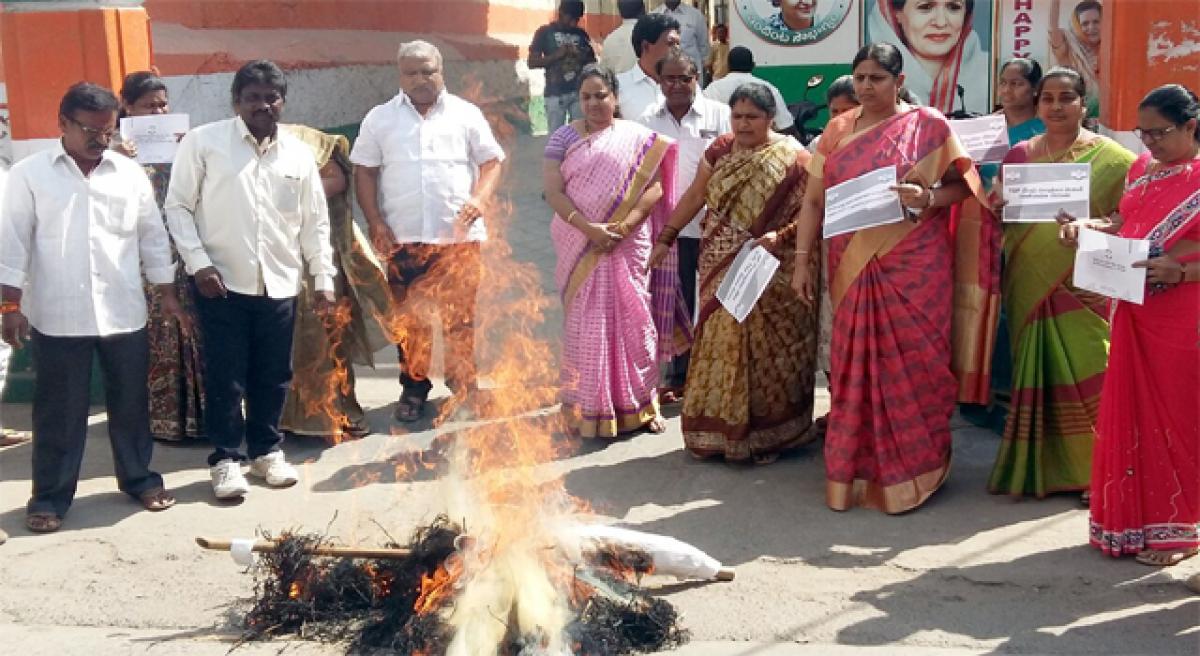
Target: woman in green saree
[[1059, 333]]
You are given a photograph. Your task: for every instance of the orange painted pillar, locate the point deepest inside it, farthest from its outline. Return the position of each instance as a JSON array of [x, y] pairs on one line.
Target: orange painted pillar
[[1145, 44], [51, 44]]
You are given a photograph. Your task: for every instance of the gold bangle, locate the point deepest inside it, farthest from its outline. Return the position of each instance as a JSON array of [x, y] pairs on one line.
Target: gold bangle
[[571, 218]]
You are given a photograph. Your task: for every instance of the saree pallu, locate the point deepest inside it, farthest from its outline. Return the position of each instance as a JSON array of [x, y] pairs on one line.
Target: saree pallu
[[175, 376], [1059, 340], [321, 400], [978, 311], [1146, 471], [750, 385], [887, 445], [611, 346]]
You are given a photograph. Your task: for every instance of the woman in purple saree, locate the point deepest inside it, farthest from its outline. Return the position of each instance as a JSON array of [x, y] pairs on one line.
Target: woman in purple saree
[[605, 178]]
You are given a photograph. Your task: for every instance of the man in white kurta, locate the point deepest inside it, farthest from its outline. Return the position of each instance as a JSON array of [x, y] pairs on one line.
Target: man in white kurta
[[693, 121]]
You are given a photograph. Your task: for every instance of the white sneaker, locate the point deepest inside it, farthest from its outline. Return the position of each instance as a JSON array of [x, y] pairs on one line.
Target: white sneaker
[[227, 480], [274, 470]]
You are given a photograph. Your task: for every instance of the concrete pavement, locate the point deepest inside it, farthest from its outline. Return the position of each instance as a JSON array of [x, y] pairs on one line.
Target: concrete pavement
[[967, 573]]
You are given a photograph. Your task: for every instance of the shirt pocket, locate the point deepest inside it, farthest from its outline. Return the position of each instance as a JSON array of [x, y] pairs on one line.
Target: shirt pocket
[[116, 214], [287, 187]]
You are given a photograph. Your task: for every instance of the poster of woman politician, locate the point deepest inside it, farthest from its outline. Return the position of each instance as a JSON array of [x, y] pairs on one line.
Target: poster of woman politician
[[947, 64]]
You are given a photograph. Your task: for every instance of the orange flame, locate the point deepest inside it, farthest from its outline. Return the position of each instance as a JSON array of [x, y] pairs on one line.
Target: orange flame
[[294, 590], [434, 590], [329, 372]]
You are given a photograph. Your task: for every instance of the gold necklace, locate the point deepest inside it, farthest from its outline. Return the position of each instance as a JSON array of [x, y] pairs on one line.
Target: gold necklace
[[1059, 158]]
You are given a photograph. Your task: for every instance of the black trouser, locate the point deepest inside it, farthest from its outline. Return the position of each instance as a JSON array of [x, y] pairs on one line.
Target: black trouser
[[247, 356], [425, 278], [60, 413], [689, 263]]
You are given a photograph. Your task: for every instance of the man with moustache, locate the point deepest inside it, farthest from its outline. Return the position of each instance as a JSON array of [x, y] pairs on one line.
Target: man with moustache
[[247, 211], [79, 228], [694, 122], [426, 164], [794, 15], [654, 35]]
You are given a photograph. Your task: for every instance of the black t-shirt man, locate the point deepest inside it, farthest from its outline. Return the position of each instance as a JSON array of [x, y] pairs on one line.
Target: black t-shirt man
[[562, 71]]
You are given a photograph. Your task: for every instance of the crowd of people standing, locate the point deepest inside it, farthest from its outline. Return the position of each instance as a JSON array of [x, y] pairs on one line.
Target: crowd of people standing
[[902, 318], [656, 188]]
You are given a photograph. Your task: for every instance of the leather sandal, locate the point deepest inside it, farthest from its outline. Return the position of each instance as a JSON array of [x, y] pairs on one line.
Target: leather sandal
[[156, 499], [43, 522]]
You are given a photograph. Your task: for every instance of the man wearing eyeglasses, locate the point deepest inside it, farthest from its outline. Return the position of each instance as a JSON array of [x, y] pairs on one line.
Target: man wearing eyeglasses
[[79, 228], [247, 211], [694, 122]]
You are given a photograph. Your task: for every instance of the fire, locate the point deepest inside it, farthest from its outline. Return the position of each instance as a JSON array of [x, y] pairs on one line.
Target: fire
[[434, 590], [323, 399], [294, 590]]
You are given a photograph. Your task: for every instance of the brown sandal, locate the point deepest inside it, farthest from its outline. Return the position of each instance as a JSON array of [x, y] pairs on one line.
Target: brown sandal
[[156, 499], [43, 522], [1163, 558]]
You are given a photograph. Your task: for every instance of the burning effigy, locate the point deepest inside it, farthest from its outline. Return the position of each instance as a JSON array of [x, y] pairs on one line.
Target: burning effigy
[[515, 566]]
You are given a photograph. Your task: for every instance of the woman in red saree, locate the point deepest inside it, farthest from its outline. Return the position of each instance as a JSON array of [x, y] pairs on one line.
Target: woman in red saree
[[887, 445], [1146, 462]]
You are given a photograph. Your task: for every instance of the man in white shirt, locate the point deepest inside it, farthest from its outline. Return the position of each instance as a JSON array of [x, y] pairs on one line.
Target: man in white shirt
[[426, 165], [741, 63], [80, 226], [693, 28], [246, 209], [654, 35], [617, 53], [693, 121]]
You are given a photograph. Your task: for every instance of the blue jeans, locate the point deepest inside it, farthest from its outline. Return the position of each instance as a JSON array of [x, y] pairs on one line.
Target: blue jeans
[[557, 108]]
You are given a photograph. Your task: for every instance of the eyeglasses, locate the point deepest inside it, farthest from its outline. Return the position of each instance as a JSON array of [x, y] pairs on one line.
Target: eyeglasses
[[677, 79], [1152, 134], [106, 133]]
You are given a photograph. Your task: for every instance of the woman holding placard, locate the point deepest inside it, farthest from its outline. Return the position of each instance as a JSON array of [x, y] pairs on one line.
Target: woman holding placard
[[1146, 470], [175, 377], [1059, 333], [750, 384], [1017, 91], [887, 445]]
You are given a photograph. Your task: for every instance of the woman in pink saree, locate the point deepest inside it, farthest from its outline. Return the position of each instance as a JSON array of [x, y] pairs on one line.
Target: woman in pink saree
[[604, 178]]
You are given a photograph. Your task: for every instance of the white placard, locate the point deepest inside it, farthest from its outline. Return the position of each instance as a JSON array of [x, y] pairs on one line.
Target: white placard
[[1036, 193], [985, 138], [862, 202], [746, 280], [156, 136], [1104, 264]]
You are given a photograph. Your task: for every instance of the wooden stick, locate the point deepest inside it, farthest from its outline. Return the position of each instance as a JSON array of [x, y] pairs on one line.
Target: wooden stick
[[268, 546]]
